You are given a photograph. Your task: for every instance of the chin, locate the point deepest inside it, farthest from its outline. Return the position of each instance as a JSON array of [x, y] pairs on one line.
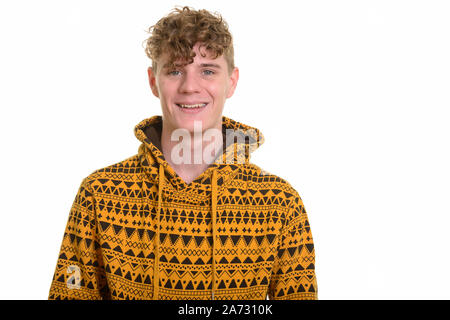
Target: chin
[[190, 125]]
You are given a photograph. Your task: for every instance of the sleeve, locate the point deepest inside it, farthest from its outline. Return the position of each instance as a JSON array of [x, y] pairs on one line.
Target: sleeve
[[293, 276], [80, 273]]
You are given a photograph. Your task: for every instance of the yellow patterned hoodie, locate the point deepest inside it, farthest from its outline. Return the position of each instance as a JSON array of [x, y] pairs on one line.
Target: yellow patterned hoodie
[[136, 230]]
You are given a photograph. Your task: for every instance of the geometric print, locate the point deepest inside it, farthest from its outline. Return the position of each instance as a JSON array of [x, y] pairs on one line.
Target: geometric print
[[136, 231]]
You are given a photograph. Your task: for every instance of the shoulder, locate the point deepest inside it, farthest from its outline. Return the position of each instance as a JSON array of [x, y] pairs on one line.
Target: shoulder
[[262, 179], [288, 200], [120, 171]]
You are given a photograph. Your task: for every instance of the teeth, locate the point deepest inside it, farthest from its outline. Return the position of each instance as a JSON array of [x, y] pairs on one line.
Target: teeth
[[192, 105]]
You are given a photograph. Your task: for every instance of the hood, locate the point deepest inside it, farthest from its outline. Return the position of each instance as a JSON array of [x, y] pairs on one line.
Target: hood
[[234, 152], [239, 141]]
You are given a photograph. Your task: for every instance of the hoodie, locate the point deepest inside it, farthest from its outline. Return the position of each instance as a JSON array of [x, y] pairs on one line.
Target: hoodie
[[136, 230]]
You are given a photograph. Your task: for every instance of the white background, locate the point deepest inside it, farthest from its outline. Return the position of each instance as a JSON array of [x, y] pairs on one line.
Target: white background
[[351, 96]]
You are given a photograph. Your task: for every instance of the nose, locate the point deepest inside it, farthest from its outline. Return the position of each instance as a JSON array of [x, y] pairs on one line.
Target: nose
[[189, 83]]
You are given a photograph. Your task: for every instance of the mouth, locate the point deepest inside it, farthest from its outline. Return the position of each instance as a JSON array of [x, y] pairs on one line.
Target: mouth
[[192, 108]]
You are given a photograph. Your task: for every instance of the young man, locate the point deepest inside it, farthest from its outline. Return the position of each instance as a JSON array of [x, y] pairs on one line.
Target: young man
[[191, 219]]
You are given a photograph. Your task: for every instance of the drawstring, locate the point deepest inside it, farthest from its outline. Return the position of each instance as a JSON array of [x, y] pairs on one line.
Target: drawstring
[[156, 268], [213, 214]]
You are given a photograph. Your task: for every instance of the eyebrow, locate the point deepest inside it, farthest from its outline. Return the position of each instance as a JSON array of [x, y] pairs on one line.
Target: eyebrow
[[209, 65], [202, 65], [168, 65]]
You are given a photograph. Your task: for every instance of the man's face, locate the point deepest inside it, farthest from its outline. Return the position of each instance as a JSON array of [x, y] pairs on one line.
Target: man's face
[[193, 92]]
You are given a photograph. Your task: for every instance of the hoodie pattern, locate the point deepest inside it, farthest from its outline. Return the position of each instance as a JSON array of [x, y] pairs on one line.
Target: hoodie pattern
[[136, 230]]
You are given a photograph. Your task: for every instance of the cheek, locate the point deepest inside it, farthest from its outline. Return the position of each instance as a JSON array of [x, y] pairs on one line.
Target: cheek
[[166, 89], [218, 90]]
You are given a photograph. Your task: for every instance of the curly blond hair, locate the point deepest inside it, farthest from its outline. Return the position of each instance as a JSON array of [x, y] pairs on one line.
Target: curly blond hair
[[178, 32]]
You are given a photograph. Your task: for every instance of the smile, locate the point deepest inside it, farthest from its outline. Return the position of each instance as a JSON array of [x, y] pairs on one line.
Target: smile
[[192, 106]]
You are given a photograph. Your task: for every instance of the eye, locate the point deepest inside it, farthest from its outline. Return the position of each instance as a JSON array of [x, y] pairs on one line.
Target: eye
[[208, 72], [174, 72]]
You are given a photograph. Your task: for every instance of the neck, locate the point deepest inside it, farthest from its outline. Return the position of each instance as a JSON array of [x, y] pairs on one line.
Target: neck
[[191, 154]]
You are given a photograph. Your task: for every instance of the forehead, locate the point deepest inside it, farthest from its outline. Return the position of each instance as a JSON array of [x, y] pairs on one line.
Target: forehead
[[202, 57]]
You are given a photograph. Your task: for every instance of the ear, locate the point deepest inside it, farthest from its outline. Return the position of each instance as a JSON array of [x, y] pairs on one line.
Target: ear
[[233, 80], [152, 81]]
